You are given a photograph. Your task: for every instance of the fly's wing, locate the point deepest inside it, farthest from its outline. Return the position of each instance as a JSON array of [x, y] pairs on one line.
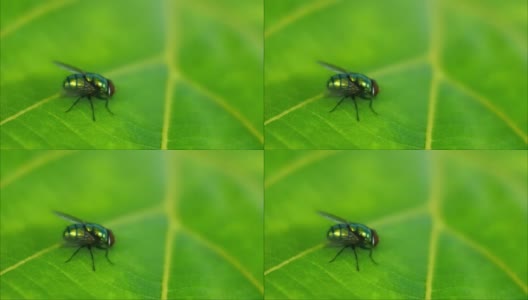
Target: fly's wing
[[69, 68], [352, 236], [351, 89], [86, 238], [332, 67], [68, 217], [81, 240], [351, 239], [333, 218]]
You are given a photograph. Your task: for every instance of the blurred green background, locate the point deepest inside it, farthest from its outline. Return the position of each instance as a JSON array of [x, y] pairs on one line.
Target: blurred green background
[[188, 224], [452, 73], [188, 74], [451, 224]]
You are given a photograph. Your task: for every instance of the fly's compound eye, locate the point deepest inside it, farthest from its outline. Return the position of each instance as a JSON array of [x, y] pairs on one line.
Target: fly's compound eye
[[111, 238], [375, 88], [111, 88], [375, 238]]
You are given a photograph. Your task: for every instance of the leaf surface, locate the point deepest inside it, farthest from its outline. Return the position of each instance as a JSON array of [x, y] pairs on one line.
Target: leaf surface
[[451, 224], [188, 74], [186, 224], [452, 74]]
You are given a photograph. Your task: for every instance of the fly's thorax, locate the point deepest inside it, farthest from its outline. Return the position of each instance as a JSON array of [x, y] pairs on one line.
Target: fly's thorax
[[366, 85], [368, 236], [101, 234], [101, 83]]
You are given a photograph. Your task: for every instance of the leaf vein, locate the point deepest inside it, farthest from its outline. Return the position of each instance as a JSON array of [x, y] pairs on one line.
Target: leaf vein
[[30, 258], [227, 107], [297, 15], [170, 52], [434, 206], [32, 165], [170, 208], [486, 253], [227, 257], [32, 15], [488, 105], [29, 108], [295, 165], [434, 59]]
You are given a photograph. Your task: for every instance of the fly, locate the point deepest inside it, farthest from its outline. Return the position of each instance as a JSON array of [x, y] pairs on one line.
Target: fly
[[86, 85], [347, 84], [86, 235], [350, 235]]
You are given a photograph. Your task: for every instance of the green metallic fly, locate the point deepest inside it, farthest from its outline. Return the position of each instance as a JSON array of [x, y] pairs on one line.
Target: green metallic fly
[[84, 234], [86, 85], [350, 235], [347, 84]]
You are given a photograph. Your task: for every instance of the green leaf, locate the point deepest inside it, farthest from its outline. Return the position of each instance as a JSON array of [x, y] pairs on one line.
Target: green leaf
[[451, 224], [452, 74], [187, 224], [188, 74]]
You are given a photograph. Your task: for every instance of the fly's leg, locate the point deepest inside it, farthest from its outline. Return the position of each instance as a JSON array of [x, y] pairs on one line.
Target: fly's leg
[[108, 258], [340, 101], [355, 254], [91, 254], [90, 234], [357, 111], [370, 255], [107, 108], [74, 103], [74, 253], [338, 254], [91, 105], [372, 108]]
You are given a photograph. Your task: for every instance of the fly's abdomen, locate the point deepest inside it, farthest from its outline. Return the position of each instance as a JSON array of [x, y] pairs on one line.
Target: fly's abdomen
[[339, 233], [338, 82], [74, 82], [75, 233]]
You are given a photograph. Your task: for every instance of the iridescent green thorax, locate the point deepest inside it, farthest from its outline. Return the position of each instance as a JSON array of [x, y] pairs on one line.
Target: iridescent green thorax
[[76, 82], [343, 233], [350, 82], [86, 233]]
